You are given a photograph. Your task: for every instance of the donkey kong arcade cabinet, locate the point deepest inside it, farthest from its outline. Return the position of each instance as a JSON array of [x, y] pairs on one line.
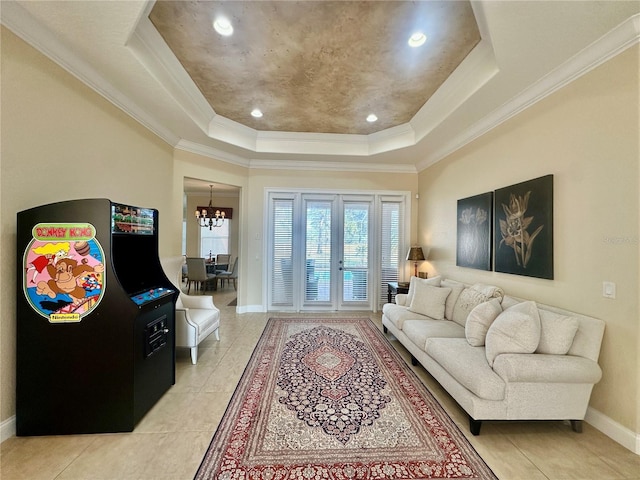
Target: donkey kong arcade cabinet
[[95, 318]]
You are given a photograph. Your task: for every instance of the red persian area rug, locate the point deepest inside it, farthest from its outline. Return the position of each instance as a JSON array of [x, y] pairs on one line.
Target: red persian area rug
[[325, 399]]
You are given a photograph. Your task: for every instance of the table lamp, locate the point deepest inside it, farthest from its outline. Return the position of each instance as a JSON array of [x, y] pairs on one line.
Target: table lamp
[[415, 254]]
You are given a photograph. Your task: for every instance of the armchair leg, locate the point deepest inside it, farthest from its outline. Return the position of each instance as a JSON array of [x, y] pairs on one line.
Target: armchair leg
[[194, 354], [217, 334]]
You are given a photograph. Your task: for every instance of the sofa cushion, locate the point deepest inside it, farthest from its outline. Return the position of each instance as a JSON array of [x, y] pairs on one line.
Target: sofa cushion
[[456, 289], [398, 314], [428, 300], [556, 332], [472, 296], [479, 321], [418, 331], [435, 281], [468, 365], [515, 330]]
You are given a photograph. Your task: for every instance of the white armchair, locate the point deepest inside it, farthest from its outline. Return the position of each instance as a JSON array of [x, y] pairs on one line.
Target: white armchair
[[196, 316]]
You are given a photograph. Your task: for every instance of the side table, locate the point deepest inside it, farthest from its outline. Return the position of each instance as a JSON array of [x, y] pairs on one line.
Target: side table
[[393, 288]]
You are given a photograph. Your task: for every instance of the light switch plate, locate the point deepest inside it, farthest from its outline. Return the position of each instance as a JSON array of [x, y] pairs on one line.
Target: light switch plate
[[608, 289]]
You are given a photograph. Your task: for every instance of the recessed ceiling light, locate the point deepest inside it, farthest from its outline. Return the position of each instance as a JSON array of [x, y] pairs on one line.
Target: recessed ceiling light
[[223, 26], [417, 39], [372, 118], [256, 113]]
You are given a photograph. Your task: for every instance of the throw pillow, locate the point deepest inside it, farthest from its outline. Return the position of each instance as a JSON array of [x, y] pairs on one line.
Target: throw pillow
[[556, 332], [435, 281], [456, 289], [479, 321], [429, 300], [471, 297], [516, 330]]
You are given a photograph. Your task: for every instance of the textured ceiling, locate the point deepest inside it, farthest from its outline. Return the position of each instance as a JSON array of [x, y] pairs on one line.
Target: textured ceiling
[[318, 66]]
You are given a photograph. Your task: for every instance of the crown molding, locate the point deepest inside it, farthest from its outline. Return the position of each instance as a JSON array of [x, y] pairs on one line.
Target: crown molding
[[332, 166], [221, 155], [232, 132], [153, 53], [393, 138], [21, 23], [312, 143], [211, 152], [478, 68], [605, 48], [386, 140]]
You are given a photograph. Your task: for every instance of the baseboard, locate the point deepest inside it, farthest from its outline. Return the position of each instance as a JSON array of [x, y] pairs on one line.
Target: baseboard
[[612, 429], [250, 309], [8, 428]]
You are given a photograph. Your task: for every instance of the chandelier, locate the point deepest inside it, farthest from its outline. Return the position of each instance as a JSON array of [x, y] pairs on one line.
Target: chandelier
[[207, 217]]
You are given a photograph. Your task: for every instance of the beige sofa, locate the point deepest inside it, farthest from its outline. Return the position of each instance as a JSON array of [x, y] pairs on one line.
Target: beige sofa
[[499, 357]]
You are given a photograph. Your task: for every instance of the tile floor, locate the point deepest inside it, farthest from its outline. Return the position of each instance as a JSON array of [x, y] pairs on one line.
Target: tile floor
[[171, 439]]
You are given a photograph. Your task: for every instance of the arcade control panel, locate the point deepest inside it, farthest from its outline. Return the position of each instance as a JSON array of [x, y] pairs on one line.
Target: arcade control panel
[[151, 295]]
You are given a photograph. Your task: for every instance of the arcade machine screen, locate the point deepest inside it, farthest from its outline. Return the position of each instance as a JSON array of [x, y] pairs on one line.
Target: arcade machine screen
[[135, 252]]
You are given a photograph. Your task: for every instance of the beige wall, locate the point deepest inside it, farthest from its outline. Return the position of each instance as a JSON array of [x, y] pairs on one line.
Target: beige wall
[[586, 135], [62, 141]]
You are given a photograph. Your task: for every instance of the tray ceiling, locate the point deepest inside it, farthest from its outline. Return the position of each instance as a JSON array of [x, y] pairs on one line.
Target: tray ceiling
[[318, 66]]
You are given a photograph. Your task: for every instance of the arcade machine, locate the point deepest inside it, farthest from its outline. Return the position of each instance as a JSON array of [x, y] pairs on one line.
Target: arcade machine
[[95, 318]]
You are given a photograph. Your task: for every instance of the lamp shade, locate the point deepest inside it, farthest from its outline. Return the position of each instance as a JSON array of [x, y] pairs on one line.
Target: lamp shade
[[415, 254]]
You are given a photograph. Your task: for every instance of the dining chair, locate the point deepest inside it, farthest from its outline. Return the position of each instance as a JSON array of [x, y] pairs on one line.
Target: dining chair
[[223, 260], [230, 275], [197, 273]]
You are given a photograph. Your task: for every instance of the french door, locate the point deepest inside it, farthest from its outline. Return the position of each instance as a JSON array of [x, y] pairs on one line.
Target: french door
[[336, 252], [321, 251]]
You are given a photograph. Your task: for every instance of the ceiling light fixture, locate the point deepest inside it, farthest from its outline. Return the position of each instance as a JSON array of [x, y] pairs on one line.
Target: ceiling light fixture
[[223, 26], [207, 217], [256, 113], [417, 39], [372, 118]]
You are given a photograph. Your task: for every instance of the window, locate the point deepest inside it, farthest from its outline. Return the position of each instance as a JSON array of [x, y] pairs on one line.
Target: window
[[214, 241]]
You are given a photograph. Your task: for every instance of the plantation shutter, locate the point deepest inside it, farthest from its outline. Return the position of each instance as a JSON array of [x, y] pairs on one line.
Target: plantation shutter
[[282, 252], [391, 244]]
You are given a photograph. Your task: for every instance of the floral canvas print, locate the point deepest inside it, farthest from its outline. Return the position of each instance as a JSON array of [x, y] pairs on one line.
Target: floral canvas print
[[524, 228], [474, 223]]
